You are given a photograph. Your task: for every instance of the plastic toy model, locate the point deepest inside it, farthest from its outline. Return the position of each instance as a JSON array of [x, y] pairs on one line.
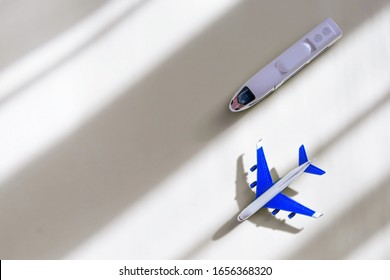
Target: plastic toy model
[[269, 194], [283, 67]]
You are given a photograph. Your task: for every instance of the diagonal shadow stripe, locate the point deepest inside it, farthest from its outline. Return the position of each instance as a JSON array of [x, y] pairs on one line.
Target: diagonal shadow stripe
[[65, 196], [72, 54], [356, 225], [24, 23]]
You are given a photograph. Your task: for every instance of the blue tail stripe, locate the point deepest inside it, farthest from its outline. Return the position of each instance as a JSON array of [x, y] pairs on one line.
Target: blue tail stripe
[[302, 155]]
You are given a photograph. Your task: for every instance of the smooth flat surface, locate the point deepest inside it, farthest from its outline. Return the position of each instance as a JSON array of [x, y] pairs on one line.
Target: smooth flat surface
[[117, 140]]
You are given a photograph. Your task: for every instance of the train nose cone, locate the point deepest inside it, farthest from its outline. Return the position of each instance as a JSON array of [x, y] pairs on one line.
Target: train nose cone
[[235, 105], [241, 99]]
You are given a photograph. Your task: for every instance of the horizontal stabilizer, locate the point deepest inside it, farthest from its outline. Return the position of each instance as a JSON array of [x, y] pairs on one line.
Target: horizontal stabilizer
[[312, 169]]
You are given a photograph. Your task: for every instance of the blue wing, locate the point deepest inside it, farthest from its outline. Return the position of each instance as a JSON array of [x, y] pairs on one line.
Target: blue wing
[[264, 179], [283, 202]]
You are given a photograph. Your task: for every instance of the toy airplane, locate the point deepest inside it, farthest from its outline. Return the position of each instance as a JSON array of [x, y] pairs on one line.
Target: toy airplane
[[269, 194]]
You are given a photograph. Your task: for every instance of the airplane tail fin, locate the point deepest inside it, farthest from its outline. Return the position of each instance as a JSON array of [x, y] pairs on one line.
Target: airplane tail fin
[[312, 169]]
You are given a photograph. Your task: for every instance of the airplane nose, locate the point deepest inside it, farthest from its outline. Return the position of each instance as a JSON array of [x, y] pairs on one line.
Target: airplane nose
[[243, 216]]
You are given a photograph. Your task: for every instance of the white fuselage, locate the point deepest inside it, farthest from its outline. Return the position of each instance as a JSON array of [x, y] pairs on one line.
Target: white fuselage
[[269, 194]]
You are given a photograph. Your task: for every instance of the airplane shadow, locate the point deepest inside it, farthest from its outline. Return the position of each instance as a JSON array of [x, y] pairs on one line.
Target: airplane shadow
[[244, 196]]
